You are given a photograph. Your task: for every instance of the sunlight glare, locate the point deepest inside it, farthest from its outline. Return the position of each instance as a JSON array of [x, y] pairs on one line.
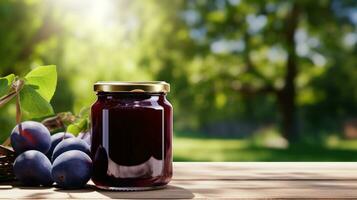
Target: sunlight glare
[[99, 13]]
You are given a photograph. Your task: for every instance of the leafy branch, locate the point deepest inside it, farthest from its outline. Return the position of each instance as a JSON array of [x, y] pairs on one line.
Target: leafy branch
[[72, 123], [33, 92]]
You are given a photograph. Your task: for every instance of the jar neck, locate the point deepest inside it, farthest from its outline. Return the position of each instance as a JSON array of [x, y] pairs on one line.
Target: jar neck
[[128, 95]]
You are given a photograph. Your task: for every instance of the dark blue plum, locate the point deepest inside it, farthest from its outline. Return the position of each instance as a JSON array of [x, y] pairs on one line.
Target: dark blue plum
[[57, 138], [33, 168], [72, 169], [34, 136], [70, 144]]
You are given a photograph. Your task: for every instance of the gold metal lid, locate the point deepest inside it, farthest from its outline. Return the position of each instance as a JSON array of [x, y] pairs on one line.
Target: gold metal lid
[[119, 86]]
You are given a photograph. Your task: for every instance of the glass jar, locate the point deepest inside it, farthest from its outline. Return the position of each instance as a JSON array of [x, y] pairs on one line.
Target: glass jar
[[131, 135]]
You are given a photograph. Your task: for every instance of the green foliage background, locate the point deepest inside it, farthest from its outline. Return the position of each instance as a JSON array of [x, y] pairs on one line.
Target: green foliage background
[[204, 49]]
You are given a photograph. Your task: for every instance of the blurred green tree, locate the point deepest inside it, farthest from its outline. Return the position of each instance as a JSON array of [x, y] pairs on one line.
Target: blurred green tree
[[279, 46], [227, 60]]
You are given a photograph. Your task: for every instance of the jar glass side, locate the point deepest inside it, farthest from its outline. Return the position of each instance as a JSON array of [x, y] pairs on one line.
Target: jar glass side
[[131, 140]]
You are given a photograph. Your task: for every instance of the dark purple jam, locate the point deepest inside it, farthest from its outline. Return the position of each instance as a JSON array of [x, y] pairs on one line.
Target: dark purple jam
[[131, 140]]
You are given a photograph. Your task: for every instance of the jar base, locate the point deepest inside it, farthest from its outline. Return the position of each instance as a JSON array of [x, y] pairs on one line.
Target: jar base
[[130, 189]]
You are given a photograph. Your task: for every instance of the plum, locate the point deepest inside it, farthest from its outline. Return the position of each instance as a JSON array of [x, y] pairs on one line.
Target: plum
[[72, 169], [57, 138], [34, 136], [33, 168], [70, 144]]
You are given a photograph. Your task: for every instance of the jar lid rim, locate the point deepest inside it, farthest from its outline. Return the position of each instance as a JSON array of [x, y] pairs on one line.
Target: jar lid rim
[[132, 86]]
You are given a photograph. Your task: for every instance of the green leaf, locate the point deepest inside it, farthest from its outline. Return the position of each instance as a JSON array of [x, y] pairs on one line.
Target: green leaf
[[10, 78], [3, 87], [5, 84], [77, 127], [33, 103], [44, 80]]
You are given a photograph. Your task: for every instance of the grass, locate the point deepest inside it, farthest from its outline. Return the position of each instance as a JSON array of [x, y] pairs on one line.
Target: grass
[[211, 149], [197, 147]]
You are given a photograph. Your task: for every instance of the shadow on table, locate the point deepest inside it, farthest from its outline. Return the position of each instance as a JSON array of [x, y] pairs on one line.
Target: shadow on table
[[7, 185], [169, 192], [15, 184]]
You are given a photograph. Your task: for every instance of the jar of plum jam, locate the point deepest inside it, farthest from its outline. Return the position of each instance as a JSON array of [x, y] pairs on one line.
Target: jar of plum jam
[[131, 135]]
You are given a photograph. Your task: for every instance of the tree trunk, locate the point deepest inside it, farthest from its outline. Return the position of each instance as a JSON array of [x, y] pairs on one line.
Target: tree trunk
[[286, 97], [287, 108]]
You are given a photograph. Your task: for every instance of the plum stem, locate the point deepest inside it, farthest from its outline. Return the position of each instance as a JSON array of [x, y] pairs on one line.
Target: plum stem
[[18, 113], [18, 85], [64, 135]]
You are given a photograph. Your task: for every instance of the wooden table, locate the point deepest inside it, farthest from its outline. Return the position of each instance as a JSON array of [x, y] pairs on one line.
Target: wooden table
[[227, 180]]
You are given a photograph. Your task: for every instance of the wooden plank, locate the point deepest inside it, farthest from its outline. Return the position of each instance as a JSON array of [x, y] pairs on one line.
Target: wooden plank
[[266, 170], [204, 189], [270, 189], [226, 180]]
